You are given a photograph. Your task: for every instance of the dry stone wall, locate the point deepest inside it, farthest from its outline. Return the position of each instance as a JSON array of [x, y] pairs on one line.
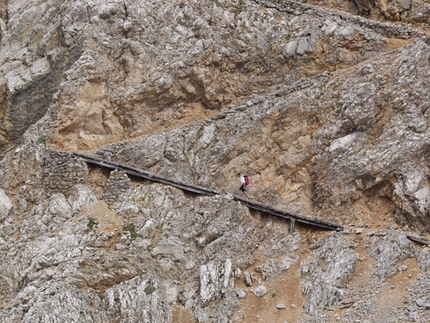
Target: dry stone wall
[[62, 171], [117, 184]]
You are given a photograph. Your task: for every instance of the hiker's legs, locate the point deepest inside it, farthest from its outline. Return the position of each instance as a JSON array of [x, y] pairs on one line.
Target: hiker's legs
[[243, 190]]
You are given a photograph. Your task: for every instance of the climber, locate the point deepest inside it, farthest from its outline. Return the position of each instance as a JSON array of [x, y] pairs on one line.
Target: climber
[[243, 184]]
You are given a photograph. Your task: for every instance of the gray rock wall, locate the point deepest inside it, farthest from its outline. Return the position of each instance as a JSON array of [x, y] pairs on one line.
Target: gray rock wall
[[327, 112]]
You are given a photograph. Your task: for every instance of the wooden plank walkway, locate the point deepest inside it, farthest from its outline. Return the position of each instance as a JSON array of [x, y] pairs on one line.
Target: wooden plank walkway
[[148, 175], [293, 217], [419, 240]]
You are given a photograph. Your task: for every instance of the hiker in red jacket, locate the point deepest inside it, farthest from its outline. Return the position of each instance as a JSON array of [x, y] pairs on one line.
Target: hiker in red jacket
[[243, 183]]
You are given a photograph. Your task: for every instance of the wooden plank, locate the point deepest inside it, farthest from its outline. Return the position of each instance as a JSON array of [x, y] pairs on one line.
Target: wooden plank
[[289, 215], [148, 175], [292, 226], [419, 240], [293, 217]]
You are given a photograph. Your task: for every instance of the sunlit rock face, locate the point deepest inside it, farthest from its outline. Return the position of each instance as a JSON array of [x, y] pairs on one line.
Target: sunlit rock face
[[325, 110]]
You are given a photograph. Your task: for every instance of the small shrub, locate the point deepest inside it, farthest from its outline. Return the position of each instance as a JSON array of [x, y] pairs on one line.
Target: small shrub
[[91, 224], [149, 289], [41, 140], [217, 3], [133, 234], [129, 227]]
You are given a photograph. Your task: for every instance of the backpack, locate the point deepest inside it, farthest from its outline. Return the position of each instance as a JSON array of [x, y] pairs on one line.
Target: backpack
[[246, 179]]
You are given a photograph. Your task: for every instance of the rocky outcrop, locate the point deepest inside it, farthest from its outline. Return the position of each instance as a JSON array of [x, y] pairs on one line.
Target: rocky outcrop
[[399, 10], [389, 249], [33, 61], [327, 113], [127, 79], [327, 273], [308, 132]]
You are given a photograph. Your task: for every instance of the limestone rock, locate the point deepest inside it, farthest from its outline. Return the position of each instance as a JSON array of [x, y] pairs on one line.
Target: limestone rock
[[59, 207], [273, 269], [423, 302], [137, 300], [390, 248], [81, 196], [240, 293], [214, 281], [5, 205], [327, 111], [424, 259], [260, 291], [324, 277], [248, 279]]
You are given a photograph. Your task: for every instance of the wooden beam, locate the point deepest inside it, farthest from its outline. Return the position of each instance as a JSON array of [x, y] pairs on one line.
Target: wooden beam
[[148, 175], [292, 226], [293, 217], [419, 240], [288, 215]]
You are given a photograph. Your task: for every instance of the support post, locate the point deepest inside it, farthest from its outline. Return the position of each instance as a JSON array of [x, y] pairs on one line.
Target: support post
[[292, 225]]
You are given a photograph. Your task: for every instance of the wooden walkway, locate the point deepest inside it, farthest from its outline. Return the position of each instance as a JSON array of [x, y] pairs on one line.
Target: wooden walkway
[[208, 192], [293, 217], [419, 240]]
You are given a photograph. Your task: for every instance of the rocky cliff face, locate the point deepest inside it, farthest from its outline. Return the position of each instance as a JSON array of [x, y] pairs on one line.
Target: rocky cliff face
[[326, 110]]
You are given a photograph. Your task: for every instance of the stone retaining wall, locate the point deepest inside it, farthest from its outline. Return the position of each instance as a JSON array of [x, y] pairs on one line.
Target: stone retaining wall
[[62, 170]]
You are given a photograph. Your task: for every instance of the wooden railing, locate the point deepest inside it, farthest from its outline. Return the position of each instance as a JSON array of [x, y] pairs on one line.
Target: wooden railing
[[140, 173]]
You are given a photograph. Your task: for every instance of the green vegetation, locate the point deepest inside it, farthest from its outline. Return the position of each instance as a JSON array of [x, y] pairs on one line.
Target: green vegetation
[[41, 140], [133, 234], [237, 9], [91, 224], [217, 3], [149, 289]]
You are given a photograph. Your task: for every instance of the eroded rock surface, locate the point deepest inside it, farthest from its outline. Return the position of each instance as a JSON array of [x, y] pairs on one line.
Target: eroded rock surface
[[327, 112]]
